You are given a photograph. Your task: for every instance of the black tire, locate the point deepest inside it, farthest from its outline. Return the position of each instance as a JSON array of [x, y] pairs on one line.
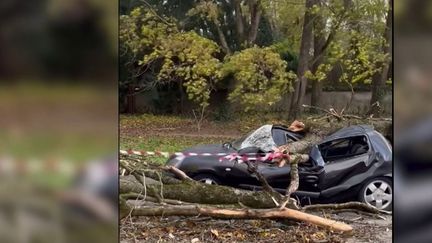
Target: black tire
[[207, 178], [381, 199]]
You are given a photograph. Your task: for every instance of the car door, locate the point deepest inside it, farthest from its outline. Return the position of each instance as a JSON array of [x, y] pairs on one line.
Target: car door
[[238, 173], [277, 177], [343, 159]]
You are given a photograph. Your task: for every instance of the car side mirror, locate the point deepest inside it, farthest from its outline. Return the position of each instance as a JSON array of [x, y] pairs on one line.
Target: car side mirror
[[227, 145]]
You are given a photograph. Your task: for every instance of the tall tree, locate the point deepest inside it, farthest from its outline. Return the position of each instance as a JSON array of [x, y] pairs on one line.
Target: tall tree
[[323, 38], [379, 80], [347, 36], [304, 59]]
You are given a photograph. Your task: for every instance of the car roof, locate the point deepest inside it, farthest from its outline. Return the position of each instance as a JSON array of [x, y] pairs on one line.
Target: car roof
[[280, 126], [350, 131]]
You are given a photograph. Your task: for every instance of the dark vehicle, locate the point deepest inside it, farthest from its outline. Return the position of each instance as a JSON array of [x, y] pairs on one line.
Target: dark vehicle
[[354, 163]]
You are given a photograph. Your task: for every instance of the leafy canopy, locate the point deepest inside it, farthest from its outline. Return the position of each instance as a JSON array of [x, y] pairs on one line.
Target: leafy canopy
[[142, 30], [183, 57], [260, 77], [189, 59]]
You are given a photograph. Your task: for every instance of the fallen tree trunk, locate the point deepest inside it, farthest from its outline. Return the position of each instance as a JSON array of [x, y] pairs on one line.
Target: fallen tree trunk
[[196, 192], [326, 127], [317, 130], [192, 210]]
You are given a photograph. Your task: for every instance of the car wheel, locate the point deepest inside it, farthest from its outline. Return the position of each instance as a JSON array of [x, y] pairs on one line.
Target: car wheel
[[378, 193], [207, 179]]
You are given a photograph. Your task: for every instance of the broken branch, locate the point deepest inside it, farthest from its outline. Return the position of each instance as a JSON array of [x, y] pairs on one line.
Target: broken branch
[[240, 214], [178, 173], [349, 205]]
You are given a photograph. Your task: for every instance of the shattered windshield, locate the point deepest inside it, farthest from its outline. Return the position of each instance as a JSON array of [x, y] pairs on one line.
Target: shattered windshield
[[261, 138], [237, 143]]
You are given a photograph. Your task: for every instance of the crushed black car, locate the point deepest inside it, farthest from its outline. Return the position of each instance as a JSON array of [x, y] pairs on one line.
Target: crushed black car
[[354, 163]]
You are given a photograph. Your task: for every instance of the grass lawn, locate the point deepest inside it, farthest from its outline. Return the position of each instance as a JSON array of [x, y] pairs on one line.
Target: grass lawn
[[165, 144]]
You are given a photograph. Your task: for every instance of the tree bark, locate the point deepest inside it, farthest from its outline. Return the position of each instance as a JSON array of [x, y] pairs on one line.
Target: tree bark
[[222, 38], [239, 21], [304, 59], [318, 57], [196, 192], [182, 96], [130, 98], [316, 94], [319, 49], [240, 214], [378, 82], [255, 13]]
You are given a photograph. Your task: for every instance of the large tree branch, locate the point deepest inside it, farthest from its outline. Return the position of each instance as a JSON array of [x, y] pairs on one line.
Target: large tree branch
[[222, 38], [276, 196], [240, 214], [319, 52], [180, 174]]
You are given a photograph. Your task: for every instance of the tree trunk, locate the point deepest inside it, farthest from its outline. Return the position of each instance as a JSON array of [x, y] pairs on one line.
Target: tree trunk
[[378, 82], [255, 12], [319, 49], [131, 99], [182, 97], [239, 21], [196, 192], [317, 88], [304, 59]]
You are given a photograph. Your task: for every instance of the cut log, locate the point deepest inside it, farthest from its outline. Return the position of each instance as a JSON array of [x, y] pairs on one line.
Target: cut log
[[240, 214]]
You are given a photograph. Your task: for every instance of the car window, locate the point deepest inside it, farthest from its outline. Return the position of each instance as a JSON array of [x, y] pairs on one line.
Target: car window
[[344, 148], [261, 137], [279, 136]]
